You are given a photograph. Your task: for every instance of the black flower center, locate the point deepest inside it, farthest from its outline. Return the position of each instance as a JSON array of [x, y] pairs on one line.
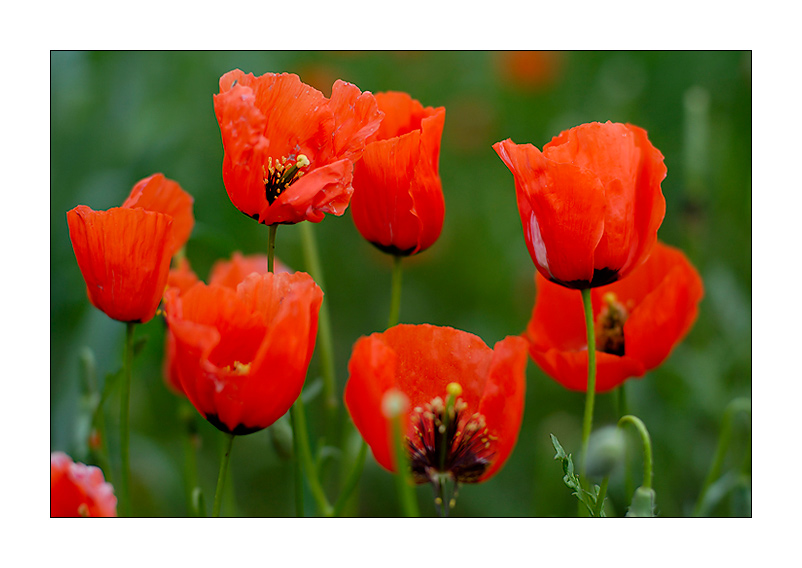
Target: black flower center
[[279, 175], [610, 326], [449, 442]]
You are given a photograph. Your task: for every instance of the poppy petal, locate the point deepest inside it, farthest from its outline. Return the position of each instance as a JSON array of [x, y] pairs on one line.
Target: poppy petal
[[503, 399], [562, 211], [124, 258]]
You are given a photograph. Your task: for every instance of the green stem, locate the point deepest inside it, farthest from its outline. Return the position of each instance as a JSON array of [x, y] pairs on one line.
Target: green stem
[[587, 423], [602, 494], [221, 477], [351, 481], [406, 490], [621, 406], [734, 407], [296, 468], [299, 431], [325, 345], [271, 246], [647, 447], [125, 407], [187, 416], [395, 292]]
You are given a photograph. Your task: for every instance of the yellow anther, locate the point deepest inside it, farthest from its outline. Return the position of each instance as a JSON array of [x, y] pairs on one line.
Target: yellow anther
[[610, 298], [240, 368], [302, 161], [454, 389]]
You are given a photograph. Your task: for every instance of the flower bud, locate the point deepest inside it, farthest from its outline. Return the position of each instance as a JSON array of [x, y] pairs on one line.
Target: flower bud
[[642, 503], [281, 437], [606, 449]]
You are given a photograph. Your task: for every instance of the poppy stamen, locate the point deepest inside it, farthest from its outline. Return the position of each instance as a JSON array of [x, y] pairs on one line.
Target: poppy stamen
[[239, 368], [446, 443], [279, 175], [610, 326]]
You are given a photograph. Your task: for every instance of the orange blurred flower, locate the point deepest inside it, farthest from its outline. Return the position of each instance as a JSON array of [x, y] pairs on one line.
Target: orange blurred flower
[[590, 202], [638, 322], [428, 364], [241, 355], [289, 150], [78, 490], [398, 199], [124, 253]]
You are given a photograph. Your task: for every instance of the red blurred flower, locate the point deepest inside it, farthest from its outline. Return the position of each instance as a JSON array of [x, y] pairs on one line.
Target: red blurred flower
[[289, 151], [78, 490], [182, 276], [590, 203], [421, 361], [231, 272], [398, 199], [241, 355], [638, 321], [124, 253], [529, 70]]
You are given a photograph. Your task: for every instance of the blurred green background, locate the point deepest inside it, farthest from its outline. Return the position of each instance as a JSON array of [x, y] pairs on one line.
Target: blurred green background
[[117, 117]]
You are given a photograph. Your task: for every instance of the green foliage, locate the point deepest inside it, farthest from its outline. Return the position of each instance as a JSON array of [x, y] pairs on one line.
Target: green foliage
[[589, 498]]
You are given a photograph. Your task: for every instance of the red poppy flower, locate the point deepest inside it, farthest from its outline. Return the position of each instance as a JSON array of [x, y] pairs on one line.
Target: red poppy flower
[[224, 272], [638, 321], [78, 490], [289, 151], [590, 202], [157, 193], [124, 253], [421, 361], [241, 355], [398, 198]]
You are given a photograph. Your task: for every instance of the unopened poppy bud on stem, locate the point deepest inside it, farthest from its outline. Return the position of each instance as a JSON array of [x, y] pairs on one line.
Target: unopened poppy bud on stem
[[606, 449], [394, 404]]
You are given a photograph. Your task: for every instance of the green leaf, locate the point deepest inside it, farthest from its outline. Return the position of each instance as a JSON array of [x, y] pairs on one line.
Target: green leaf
[[589, 498]]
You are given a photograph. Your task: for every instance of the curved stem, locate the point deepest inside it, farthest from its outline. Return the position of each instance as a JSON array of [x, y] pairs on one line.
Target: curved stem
[[647, 447], [271, 246], [221, 477], [587, 423], [351, 481], [325, 344], [125, 407], [299, 431], [734, 407], [395, 292]]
